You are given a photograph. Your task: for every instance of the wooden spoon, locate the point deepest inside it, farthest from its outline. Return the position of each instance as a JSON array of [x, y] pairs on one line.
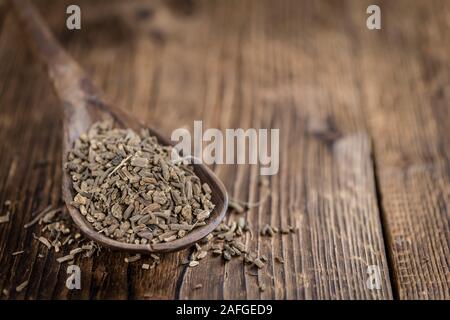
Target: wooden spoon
[[83, 105]]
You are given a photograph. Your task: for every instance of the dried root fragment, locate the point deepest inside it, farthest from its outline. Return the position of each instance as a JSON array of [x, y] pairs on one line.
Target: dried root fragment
[[134, 258], [45, 242], [44, 216], [285, 230], [193, 263], [21, 286], [202, 254], [68, 257], [155, 257], [248, 258], [236, 206], [238, 245], [76, 251], [58, 232], [4, 218], [258, 263], [279, 259], [268, 230]]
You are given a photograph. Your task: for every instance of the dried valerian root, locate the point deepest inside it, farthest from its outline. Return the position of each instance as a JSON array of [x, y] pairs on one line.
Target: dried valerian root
[[44, 241], [4, 218], [236, 206], [128, 188], [225, 241], [134, 258], [37, 217], [151, 261], [279, 259], [59, 233], [270, 231], [68, 257], [193, 263], [21, 286]]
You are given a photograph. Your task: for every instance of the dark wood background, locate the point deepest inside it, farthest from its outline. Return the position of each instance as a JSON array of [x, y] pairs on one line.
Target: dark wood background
[[364, 147]]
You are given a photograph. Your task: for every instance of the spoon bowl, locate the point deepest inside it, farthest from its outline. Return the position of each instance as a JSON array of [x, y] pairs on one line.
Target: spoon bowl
[[83, 106]]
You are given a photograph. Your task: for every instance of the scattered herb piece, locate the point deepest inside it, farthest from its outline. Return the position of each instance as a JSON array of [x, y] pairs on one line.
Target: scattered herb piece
[[65, 258], [279, 259], [45, 242], [193, 263], [198, 286], [38, 216], [133, 258], [4, 218], [22, 286]]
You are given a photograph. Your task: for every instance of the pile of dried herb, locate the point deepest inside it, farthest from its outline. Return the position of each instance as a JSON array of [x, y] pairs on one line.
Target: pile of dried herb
[[226, 241], [128, 188], [58, 233]]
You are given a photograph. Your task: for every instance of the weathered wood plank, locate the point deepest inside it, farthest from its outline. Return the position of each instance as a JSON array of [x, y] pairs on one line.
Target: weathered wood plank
[[325, 185], [405, 85]]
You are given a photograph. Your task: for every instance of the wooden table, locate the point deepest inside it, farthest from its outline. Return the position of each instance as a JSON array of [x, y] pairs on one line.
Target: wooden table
[[364, 145]]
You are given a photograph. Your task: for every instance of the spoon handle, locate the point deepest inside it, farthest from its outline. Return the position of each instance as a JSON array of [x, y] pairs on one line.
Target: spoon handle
[[68, 78]]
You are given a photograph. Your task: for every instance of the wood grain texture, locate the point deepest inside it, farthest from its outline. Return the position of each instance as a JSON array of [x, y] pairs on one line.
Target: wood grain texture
[[310, 68], [405, 85]]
